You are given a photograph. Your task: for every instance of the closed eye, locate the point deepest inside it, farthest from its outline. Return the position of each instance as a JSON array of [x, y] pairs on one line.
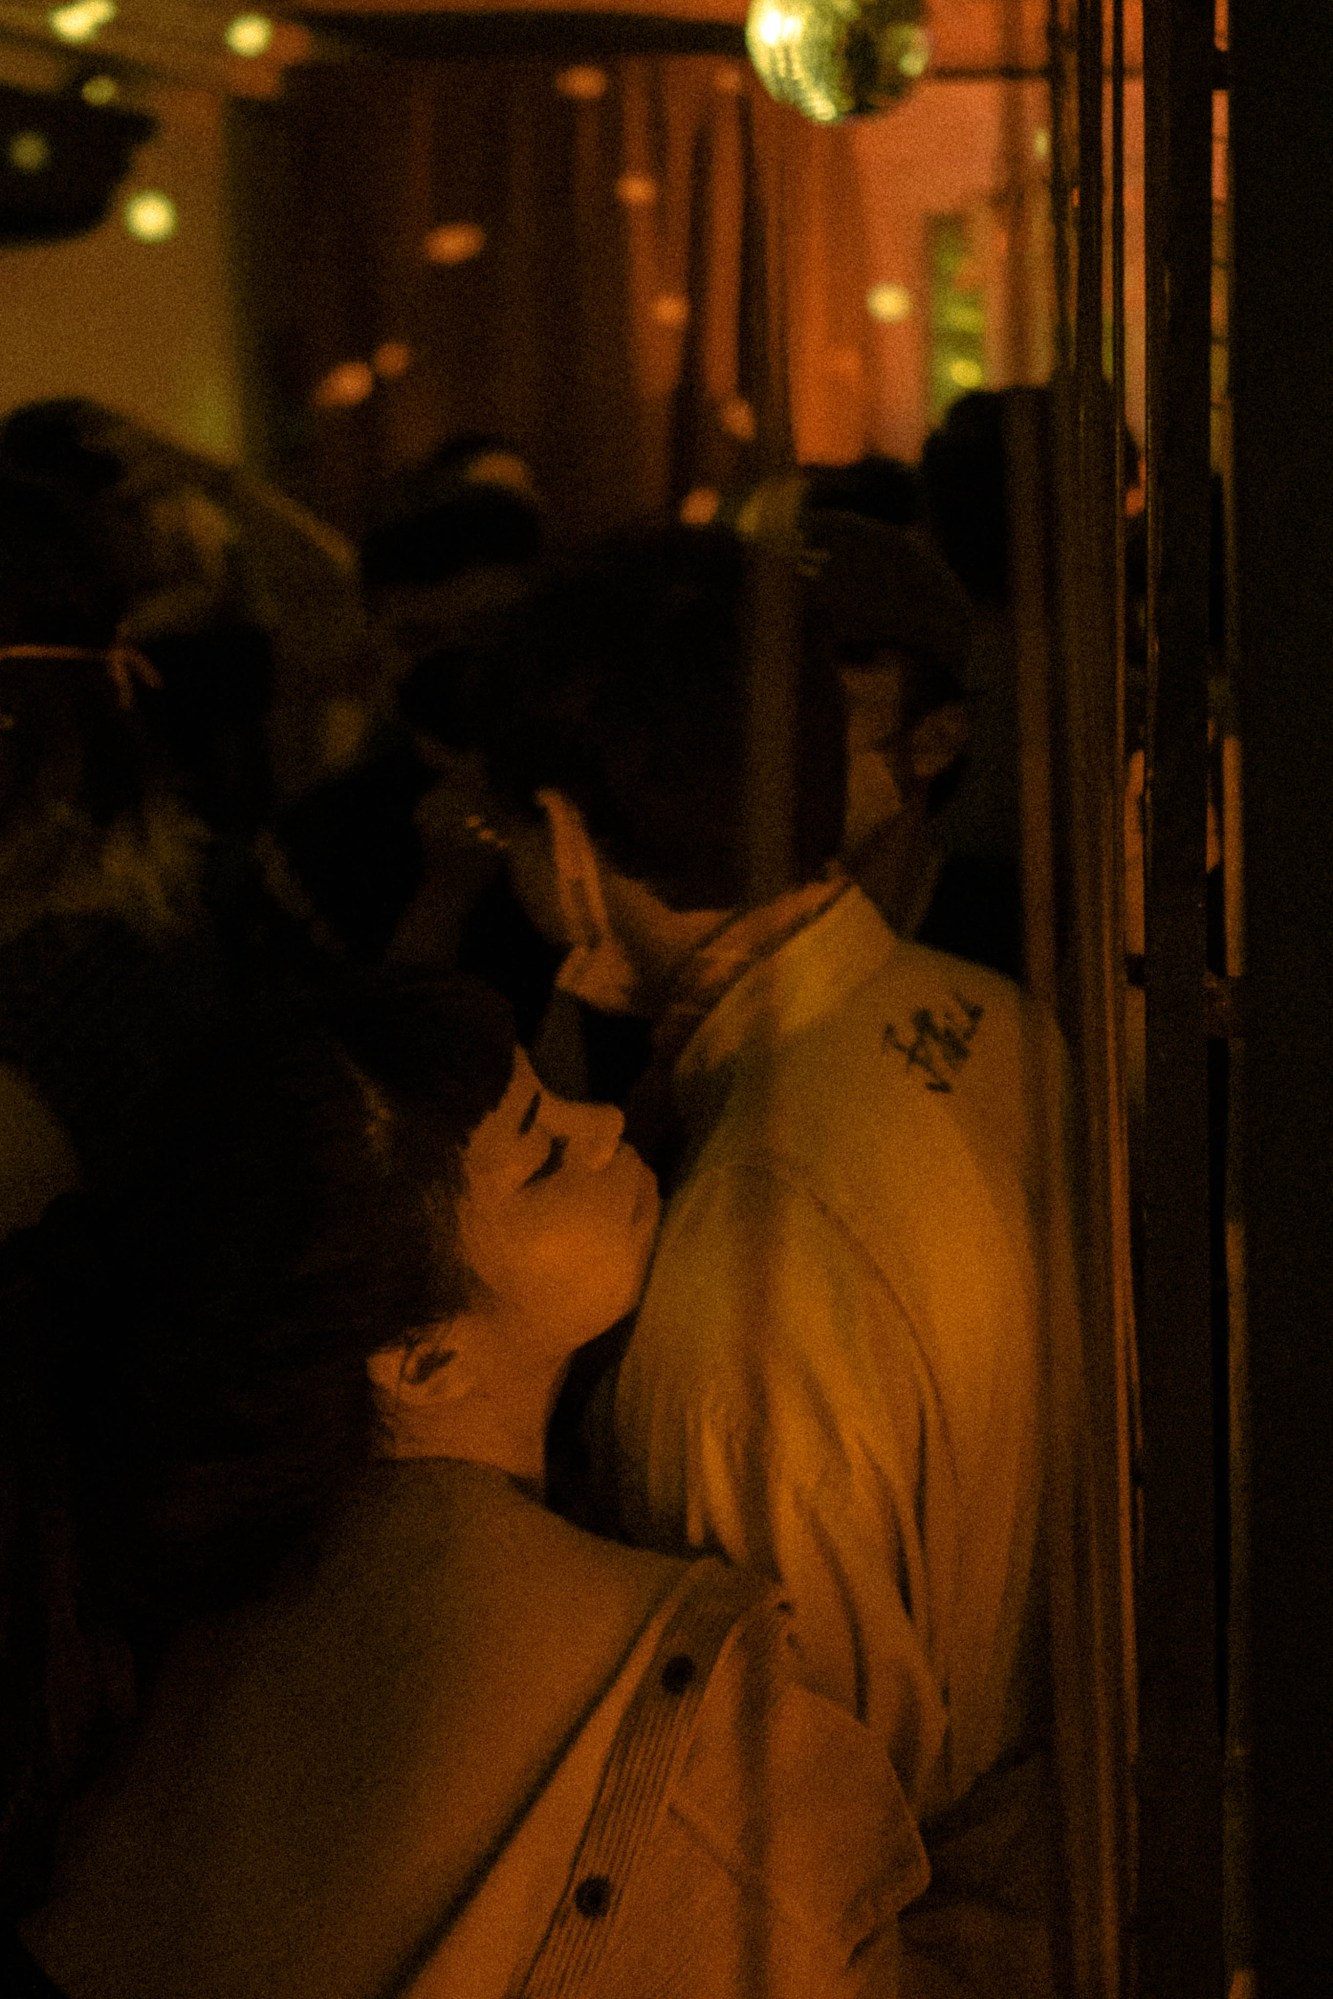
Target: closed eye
[[552, 1162]]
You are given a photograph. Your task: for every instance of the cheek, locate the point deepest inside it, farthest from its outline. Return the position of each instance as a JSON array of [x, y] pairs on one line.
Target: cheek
[[577, 1265]]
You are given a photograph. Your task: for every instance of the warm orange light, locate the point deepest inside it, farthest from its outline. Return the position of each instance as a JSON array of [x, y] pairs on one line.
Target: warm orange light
[[584, 82], [391, 359], [344, 386], [636, 190], [454, 243], [670, 309], [700, 506], [737, 419]]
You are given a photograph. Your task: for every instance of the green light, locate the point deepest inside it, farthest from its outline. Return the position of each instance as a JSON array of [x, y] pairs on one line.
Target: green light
[[28, 152]]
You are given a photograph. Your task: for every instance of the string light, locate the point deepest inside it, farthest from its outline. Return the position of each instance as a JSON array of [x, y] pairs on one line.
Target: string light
[[80, 21], [150, 217]]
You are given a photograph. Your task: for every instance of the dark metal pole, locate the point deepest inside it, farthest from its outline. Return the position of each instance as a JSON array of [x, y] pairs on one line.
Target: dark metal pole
[[1282, 363], [1180, 1752]]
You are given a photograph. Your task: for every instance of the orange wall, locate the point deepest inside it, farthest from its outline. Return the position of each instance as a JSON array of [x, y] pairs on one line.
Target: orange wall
[[144, 327]]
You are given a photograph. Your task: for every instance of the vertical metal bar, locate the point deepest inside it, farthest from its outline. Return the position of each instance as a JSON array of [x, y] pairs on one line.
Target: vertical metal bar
[[1180, 1763], [1061, 192], [1281, 63], [1118, 351]]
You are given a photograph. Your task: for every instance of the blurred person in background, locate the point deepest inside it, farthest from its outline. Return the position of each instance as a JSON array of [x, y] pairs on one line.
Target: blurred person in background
[[454, 540], [901, 629], [111, 976]]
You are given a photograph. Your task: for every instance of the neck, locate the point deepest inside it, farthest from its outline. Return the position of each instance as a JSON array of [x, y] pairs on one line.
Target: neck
[[897, 867], [500, 1435], [688, 958]]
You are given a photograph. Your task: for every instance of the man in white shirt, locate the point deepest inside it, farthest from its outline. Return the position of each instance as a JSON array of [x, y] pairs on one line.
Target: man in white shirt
[[837, 1370]]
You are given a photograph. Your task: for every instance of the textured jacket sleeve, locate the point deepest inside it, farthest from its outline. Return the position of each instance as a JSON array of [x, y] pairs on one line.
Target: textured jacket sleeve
[[774, 1406]]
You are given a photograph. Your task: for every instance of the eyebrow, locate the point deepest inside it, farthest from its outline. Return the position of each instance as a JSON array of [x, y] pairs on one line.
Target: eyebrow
[[529, 1116]]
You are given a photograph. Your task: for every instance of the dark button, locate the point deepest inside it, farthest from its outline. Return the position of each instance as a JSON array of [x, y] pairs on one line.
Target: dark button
[[592, 1897], [677, 1673]]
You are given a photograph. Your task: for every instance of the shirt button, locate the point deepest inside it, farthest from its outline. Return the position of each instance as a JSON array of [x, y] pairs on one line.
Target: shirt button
[[592, 1897], [677, 1673]]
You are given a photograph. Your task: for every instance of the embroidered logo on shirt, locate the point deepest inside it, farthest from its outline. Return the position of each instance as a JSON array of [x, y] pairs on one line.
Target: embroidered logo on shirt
[[942, 1041]]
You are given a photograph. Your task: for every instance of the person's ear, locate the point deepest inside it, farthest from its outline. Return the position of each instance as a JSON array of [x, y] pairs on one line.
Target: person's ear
[[938, 740], [598, 968], [417, 1379]]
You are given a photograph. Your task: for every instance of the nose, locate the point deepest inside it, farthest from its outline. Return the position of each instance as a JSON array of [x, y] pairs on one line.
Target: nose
[[598, 1130]]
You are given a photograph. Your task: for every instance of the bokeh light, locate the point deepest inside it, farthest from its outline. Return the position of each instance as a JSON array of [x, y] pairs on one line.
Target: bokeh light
[[965, 373], [150, 216], [344, 386], [584, 82], [737, 418], [80, 21], [100, 89], [890, 304], [391, 359], [636, 190], [671, 309], [454, 243], [249, 35], [28, 152], [700, 506]]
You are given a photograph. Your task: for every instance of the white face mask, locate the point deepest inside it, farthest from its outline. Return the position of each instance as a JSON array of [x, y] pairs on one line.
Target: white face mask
[[599, 974]]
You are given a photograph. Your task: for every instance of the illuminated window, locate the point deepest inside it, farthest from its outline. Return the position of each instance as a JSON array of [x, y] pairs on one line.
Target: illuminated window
[[454, 243], [150, 217], [28, 152], [80, 21], [957, 314], [249, 35]]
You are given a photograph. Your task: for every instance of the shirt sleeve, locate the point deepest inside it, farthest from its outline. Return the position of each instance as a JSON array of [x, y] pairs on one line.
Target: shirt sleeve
[[774, 1407]]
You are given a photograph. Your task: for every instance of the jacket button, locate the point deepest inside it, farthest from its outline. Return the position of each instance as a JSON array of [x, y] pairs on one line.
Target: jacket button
[[592, 1897], [677, 1673]]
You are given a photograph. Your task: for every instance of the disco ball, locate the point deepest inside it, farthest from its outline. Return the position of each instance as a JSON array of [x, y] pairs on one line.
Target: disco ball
[[836, 59]]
